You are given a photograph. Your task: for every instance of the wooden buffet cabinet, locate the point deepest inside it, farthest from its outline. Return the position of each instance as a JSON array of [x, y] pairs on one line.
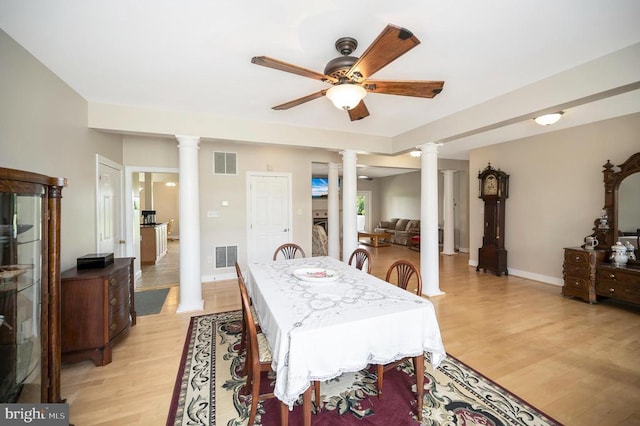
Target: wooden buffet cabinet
[[618, 283], [590, 274], [98, 307], [579, 272]]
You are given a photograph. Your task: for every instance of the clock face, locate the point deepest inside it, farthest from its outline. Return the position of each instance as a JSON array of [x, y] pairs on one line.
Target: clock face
[[490, 185]]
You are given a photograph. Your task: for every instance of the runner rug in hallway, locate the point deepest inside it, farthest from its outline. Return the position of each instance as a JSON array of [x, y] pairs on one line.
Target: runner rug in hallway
[[150, 302], [208, 384]]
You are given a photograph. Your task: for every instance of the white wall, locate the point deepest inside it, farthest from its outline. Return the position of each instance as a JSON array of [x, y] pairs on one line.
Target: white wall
[[43, 129], [556, 191]]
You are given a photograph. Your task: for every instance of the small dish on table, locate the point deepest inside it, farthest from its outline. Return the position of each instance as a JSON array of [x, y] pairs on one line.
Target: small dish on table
[[316, 275]]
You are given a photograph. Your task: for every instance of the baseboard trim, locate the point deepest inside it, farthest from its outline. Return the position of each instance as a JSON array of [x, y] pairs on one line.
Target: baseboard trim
[[528, 275], [218, 277]]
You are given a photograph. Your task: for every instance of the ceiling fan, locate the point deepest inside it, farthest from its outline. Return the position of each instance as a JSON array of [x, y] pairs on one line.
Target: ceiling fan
[[349, 75]]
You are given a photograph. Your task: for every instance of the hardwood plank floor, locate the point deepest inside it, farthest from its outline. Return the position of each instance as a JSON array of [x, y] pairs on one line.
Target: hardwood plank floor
[[576, 362]]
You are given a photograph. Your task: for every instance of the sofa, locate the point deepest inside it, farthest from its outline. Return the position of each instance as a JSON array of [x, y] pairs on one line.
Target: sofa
[[401, 230]]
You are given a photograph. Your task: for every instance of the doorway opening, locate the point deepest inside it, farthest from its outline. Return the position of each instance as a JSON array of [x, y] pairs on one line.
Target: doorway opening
[[363, 209], [154, 236]]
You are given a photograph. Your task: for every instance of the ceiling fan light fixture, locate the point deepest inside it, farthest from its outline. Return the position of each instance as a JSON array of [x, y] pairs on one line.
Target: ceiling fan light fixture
[[346, 96], [549, 119]]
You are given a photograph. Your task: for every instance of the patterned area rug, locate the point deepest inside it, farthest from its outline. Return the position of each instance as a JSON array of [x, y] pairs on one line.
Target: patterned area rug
[[207, 390]]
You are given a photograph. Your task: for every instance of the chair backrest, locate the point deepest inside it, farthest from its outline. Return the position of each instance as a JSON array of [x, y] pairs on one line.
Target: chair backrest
[[405, 272], [249, 321], [361, 256], [289, 251]]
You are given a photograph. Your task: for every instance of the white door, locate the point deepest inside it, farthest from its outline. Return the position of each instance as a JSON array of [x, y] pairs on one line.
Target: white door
[[269, 214], [109, 234]]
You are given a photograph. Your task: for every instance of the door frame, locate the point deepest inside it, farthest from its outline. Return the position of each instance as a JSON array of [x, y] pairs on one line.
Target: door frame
[[367, 208], [250, 176], [130, 233], [119, 211]]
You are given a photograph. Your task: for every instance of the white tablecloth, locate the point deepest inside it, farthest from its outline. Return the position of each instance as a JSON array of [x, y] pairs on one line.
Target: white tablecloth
[[317, 331]]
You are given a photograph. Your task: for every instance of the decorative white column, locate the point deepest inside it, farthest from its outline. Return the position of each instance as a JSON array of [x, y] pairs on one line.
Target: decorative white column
[[189, 210], [429, 250], [349, 198], [448, 243], [333, 211]]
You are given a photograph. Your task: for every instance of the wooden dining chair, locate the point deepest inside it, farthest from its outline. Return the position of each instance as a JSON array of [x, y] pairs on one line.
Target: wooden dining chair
[[243, 334], [259, 361], [361, 257], [289, 251], [406, 272]]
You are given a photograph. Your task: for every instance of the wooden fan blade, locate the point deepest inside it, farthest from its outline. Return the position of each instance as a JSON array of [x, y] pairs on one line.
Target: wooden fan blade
[[359, 112], [300, 101], [420, 89], [392, 43], [268, 62]]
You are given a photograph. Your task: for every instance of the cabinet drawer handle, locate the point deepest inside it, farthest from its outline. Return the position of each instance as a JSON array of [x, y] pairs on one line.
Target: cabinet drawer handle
[[612, 276], [113, 281], [611, 290], [577, 258], [113, 327], [113, 302], [577, 283]]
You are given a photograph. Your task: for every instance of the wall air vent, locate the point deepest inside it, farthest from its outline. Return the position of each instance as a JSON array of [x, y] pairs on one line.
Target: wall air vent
[[224, 163], [226, 257]]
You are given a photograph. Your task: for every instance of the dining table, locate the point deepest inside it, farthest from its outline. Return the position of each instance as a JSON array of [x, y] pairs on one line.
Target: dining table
[[322, 317]]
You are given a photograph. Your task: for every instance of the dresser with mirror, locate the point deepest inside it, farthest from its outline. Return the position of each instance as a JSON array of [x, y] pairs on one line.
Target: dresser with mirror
[[592, 274]]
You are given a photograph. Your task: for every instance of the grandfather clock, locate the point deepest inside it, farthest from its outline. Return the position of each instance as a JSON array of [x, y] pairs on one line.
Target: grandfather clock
[[494, 190]]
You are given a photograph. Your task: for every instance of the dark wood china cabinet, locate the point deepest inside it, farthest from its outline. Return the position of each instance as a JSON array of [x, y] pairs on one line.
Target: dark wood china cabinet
[[592, 274], [29, 287]]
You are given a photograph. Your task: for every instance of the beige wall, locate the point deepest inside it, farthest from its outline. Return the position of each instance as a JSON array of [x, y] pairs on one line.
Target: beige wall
[[556, 191], [230, 227], [43, 129]]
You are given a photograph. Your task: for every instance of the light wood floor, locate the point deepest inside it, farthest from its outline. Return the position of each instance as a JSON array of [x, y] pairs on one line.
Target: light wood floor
[[165, 273], [577, 362]]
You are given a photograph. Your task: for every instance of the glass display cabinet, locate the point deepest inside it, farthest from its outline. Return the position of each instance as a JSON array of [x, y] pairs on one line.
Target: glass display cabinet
[[29, 287]]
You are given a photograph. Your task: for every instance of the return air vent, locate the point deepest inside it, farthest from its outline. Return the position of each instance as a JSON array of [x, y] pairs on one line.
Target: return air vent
[[226, 257], [224, 163]]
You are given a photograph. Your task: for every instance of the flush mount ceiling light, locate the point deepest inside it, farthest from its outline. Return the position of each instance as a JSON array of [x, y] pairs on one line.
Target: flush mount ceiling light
[[346, 96], [415, 154], [548, 119]]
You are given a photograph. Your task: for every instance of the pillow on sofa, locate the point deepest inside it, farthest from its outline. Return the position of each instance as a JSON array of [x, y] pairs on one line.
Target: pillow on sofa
[[389, 224], [401, 225], [413, 224]]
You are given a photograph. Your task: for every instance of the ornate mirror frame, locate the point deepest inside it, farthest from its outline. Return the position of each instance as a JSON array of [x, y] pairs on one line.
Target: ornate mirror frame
[[612, 179]]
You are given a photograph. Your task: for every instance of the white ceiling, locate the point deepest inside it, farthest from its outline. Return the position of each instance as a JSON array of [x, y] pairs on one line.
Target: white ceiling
[[196, 55]]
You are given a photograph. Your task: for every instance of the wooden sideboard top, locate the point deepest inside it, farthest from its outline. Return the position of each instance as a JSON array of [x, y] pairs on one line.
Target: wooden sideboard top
[[97, 272]]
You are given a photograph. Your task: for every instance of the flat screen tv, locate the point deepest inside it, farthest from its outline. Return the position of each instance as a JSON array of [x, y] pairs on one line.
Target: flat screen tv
[[319, 187]]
